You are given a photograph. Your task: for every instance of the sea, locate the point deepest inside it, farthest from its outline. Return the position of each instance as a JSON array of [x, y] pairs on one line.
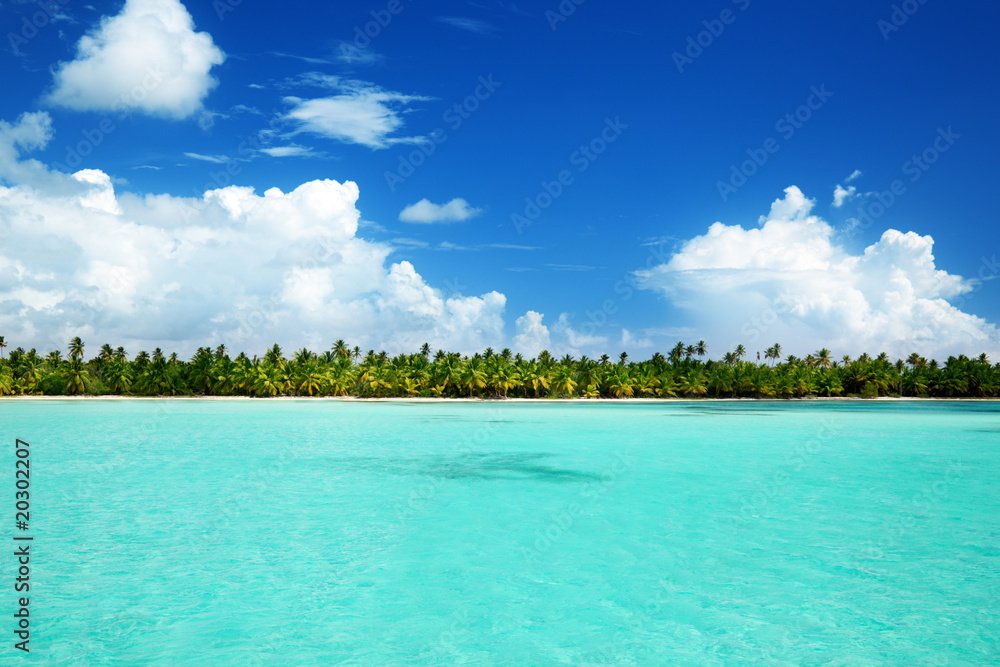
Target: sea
[[330, 532]]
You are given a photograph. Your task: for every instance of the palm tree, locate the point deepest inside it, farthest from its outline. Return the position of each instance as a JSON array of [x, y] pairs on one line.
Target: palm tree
[[537, 378], [7, 384], [622, 358], [694, 384], [823, 358], [701, 349], [773, 352], [274, 355], [106, 353], [76, 377], [3, 344], [474, 376], [76, 348], [620, 384], [563, 382], [118, 377], [677, 352], [740, 352], [310, 381], [340, 349]]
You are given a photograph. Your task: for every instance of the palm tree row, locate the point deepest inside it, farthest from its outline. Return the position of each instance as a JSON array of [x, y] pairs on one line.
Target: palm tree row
[[343, 371]]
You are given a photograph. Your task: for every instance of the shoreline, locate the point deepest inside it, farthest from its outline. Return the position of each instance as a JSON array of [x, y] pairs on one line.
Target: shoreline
[[421, 399]]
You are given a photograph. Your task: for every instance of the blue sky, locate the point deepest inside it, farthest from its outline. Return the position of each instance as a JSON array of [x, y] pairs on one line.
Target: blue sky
[[660, 121]]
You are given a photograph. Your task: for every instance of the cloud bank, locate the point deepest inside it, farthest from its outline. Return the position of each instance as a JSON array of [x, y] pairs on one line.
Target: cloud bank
[[249, 269], [148, 57], [787, 281], [234, 267]]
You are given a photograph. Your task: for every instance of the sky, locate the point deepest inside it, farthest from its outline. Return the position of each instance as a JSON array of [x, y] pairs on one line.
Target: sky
[[583, 177]]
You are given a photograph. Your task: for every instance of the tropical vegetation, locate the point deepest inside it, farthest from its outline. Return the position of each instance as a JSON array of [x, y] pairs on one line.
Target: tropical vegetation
[[346, 371]]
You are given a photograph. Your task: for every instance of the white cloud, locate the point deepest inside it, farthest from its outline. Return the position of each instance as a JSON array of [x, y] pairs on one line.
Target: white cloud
[[148, 57], [854, 175], [305, 59], [349, 54], [101, 197], [788, 282], [471, 25], [412, 243], [630, 342], [570, 267], [360, 113], [457, 210], [840, 195], [30, 132], [578, 341], [532, 336], [287, 151], [511, 246], [234, 266], [214, 159]]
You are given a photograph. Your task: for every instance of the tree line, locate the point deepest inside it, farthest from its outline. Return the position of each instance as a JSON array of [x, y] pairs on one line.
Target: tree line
[[345, 371]]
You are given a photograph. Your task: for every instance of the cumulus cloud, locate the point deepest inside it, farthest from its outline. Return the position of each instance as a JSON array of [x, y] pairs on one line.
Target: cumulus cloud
[[840, 195], [234, 266], [578, 341], [30, 132], [457, 210], [358, 113], [148, 57], [631, 342], [787, 281], [532, 336]]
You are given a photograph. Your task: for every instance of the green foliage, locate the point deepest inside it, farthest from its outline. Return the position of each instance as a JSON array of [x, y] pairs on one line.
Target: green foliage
[[53, 384], [345, 371]]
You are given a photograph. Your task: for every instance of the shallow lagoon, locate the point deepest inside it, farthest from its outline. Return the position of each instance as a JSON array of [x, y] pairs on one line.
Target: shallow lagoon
[[329, 532]]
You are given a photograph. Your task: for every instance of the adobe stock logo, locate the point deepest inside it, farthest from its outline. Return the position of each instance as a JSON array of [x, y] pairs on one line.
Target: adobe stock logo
[[787, 126], [455, 116], [582, 158], [901, 13], [30, 26], [697, 44]]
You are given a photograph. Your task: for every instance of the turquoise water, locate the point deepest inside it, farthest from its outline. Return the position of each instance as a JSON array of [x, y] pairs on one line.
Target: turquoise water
[[317, 532]]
